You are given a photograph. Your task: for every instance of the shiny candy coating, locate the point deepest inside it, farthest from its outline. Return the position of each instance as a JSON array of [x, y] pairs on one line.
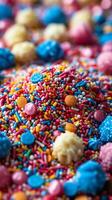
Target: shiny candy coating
[[50, 51], [54, 14]]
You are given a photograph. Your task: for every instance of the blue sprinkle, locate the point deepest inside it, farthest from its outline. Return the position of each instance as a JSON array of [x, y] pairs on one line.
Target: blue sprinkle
[[54, 14], [5, 12], [49, 51], [61, 129], [81, 84], [36, 77], [90, 131], [105, 130], [7, 59], [35, 181], [94, 143], [5, 145], [27, 138]]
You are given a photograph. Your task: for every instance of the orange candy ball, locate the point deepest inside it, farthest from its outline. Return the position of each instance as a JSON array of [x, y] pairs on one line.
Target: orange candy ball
[[70, 100], [19, 196], [70, 127], [82, 197], [21, 101]]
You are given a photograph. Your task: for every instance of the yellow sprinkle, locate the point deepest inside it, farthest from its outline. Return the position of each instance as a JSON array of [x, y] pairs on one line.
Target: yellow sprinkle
[[16, 119], [55, 103], [37, 128]]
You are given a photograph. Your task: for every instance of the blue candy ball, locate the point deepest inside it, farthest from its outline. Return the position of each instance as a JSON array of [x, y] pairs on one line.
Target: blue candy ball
[[90, 178], [5, 12], [49, 51], [5, 146], [7, 59], [105, 130], [54, 14], [105, 38]]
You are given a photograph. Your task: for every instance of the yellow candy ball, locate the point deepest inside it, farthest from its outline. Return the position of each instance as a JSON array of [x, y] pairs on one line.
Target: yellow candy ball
[[28, 18], [56, 32], [19, 196], [24, 52], [82, 16], [16, 34]]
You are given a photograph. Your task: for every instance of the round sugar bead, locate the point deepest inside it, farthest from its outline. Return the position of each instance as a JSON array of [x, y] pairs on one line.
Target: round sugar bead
[[36, 77], [5, 146], [70, 127], [28, 18], [19, 177], [19, 196], [27, 138], [55, 188], [70, 100], [99, 115], [24, 52], [30, 109], [35, 181], [21, 101], [15, 34], [5, 177], [7, 59]]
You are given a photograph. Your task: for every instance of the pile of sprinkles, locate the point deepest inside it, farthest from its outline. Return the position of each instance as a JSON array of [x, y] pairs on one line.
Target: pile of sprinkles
[[36, 108]]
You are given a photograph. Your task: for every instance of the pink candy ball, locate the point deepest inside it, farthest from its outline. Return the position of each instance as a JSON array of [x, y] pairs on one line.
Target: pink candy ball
[[55, 188], [104, 62], [4, 25], [106, 156], [81, 34], [56, 133], [107, 46], [49, 197], [19, 177], [30, 109], [5, 177], [99, 115]]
